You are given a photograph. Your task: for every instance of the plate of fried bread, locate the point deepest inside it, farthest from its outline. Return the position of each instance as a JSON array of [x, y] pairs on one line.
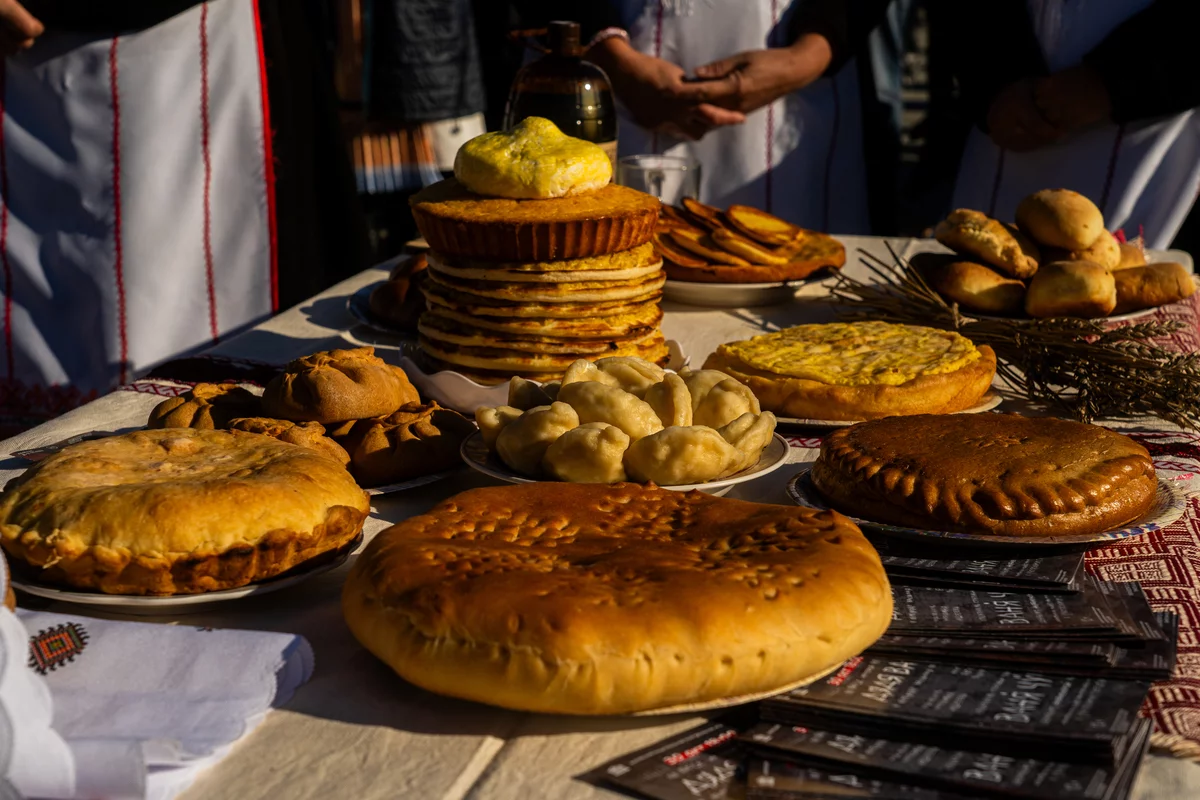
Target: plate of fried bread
[[740, 256], [1057, 260], [990, 479], [620, 419]]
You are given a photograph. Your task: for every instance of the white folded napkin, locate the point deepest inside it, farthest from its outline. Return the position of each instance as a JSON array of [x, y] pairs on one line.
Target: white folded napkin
[[144, 708]]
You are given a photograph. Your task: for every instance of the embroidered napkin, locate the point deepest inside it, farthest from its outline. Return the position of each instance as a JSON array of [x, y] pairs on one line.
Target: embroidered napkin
[[144, 708]]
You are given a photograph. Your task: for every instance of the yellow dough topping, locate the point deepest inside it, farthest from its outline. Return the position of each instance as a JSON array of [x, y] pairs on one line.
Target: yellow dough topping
[[533, 160], [856, 353]]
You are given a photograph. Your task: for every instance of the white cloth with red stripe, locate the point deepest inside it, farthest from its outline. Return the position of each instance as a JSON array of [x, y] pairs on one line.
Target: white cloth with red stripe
[[1145, 176], [800, 157], [128, 710], [137, 215]]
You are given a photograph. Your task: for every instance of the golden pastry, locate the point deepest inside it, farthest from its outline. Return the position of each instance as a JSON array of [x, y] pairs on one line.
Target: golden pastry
[[1132, 255], [305, 434], [859, 370], [974, 234], [178, 511], [1071, 289], [1105, 251], [1060, 218], [1152, 286], [998, 474], [206, 406], [594, 599], [413, 441], [336, 386], [973, 286]]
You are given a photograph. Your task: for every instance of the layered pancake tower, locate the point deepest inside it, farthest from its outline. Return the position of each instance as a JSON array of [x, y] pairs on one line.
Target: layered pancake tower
[[536, 260]]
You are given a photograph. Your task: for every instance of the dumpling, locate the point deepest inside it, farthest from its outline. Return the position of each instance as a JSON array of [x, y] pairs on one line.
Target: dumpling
[[493, 420], [749, 433], [634, 375], [595, 402], [671, 401], [592, 453], [679, 455], [583, 370], [522, 443], [551, 389], [525, 394], [718, 399]]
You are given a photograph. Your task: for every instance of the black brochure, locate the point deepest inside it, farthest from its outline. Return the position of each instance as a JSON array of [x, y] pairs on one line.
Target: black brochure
[[1055, 572], [703, 763], [985, 613], [975, 774], [1014, 713], [1077, 657], [1128, 603], [772, 779]]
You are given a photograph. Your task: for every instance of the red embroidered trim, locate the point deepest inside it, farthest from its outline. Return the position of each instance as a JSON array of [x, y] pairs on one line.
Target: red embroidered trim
[[205, 152], [118, 262], [8, 282], [837, 121], [268, 160], [44, 402]]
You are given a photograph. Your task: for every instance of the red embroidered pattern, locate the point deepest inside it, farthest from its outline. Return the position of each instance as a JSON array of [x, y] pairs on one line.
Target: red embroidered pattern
[[53, 647]]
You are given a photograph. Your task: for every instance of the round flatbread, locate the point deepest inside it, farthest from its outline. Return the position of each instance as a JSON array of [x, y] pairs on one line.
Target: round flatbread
[[596, 599]]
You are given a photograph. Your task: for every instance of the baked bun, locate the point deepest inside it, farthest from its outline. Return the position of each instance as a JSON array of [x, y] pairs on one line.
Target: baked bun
[[413, 441], [399, 300], [1071, 289], [1060, 218], [1003, 247], [997, 474], [178, 511], [336, 386], [10, 598], [612, 599], [1105, 251], [1132, 255], [306, 434], [973, 286], [206, 406], [1152, 286]]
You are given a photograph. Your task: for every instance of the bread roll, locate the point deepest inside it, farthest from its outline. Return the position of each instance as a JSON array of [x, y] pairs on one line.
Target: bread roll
[[1152, 285], [1105, 251], [1060, 218], [973, 286], [1132, 255], [1071, 289], [978, 235]]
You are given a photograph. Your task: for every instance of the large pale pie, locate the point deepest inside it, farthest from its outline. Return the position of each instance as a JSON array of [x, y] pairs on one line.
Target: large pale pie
[[599, 599]]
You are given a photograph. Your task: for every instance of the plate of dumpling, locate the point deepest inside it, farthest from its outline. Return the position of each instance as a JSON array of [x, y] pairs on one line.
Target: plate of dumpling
[[627, 419]]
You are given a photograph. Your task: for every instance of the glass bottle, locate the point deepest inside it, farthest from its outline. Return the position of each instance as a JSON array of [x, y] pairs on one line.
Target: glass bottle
[[572, 93]]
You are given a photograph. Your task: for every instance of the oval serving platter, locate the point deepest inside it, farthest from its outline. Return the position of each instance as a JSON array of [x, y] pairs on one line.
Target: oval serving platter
[[1169, 505]]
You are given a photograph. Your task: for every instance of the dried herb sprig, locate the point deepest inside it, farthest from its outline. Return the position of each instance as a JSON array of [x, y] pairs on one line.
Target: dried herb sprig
[[1084, 367]]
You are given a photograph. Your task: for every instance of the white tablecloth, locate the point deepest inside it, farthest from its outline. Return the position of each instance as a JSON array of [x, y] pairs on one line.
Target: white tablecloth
[[356, 730]]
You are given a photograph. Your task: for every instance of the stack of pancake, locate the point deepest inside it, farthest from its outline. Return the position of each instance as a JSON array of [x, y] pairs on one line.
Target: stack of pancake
[[524, 283]]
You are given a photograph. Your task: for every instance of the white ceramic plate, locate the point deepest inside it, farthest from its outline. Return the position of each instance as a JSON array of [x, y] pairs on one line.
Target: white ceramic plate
[[455, 390], [1145, 312], [989, 401], [180, 603], [412, 483], [735, 295], [774, 456], [1169, 505]]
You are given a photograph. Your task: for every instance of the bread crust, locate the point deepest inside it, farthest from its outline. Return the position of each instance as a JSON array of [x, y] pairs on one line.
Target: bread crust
[[1071, 289], [1060, 218], [802, 398], [206, 406], [177, 511], [975, 234], [337, 385], [415, 440], [306, 434], [973, 286], [1105, 251], [1152, 286], [597, 599], [996, 474]]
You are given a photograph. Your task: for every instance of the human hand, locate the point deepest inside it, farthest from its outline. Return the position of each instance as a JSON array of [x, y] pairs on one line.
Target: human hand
[[1073, 99], [1015, 123], [18, 28], [751, 80], [654, 92]]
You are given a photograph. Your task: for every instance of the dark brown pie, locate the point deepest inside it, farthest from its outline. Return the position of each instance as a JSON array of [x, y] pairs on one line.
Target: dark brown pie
[[998, 474]]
